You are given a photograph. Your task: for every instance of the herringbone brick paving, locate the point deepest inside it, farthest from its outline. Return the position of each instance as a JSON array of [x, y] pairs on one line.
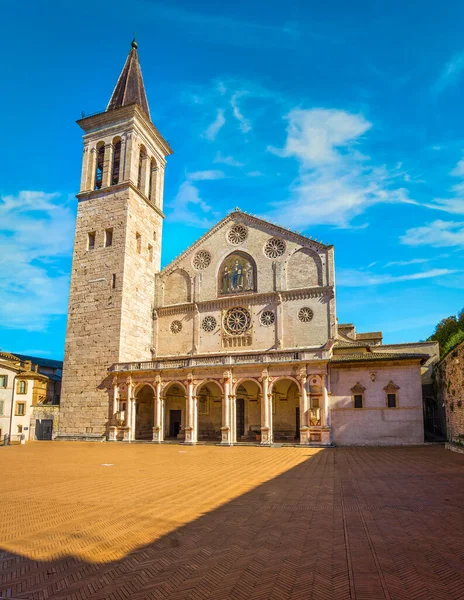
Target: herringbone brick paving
[[115, 522]]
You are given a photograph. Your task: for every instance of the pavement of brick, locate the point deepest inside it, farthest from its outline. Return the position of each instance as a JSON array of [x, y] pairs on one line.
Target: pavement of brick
[[116, 522]]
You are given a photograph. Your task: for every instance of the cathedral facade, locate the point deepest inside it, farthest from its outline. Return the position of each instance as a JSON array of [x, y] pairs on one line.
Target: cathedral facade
[[235, 341]]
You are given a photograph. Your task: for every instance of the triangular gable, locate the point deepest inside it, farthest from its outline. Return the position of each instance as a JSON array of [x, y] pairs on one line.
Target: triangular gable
[[250, 220]]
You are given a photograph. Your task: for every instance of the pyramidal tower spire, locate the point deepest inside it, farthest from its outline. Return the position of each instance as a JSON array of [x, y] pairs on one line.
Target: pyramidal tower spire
[[130, 88]]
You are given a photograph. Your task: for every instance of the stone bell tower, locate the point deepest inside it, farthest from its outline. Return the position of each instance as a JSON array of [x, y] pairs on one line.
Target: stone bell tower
[[117, 249]]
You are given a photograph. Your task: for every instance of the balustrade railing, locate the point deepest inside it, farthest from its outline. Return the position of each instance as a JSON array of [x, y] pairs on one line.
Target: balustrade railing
[[155, 365]]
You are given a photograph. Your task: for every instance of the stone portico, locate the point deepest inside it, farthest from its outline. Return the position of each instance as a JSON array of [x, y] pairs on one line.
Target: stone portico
[[255, 398]]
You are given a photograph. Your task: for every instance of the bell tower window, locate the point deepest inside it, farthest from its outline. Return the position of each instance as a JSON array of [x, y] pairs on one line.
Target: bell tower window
[[116, 162], [99, 165]]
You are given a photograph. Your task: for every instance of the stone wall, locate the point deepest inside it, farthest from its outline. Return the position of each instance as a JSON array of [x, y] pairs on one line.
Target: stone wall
[[375, 423], [450, 386]]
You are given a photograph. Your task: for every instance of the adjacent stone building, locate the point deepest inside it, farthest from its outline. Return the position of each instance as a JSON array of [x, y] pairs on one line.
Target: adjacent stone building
[[29, 396], [236, 340], [449, 375]]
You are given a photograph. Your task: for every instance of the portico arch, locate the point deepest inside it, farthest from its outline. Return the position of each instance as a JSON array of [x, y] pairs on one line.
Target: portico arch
[[286, 409], [175, 411], [209, 400], [144, 411]]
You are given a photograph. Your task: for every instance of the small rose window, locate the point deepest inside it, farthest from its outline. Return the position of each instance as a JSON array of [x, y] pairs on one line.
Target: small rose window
[[305, 314], [201, 260], [267, 318], [237, 235], [274, 248], [176, 327]]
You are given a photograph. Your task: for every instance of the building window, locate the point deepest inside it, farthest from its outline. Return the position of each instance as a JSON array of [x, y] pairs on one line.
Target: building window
[[150, 252], [358, 395], [20, 409], [391, 400], [152, 184], [2, 404], [108, 237], [116, 163], [138, 243], [91, 241], [154, 236], [113, 284], [20, 428], [3, 381], [22, 387], [358, 401], [99, 165], [391, 391]]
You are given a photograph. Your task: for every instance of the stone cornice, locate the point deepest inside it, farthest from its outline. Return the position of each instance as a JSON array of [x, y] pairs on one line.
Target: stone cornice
[[107, 118], [249, 219], [112, 189], [247, 299]]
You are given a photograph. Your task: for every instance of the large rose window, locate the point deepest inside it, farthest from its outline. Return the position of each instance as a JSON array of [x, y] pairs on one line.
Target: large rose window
[[237, 321]]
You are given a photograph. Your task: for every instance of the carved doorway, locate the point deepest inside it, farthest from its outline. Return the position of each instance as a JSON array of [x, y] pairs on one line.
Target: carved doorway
[[175, 419]]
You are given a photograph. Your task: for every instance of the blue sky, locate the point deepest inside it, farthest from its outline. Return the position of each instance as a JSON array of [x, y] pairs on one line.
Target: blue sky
[[341, 120]]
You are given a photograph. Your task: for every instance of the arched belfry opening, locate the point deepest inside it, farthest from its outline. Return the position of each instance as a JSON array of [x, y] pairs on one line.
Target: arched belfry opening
[[115, 171], [100, 161], [237, 274]]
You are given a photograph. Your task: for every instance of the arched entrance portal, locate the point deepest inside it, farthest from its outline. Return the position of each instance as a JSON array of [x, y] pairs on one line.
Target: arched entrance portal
[[209, 398], [286, 410], [248, 412], [175, 414], [144, 413]]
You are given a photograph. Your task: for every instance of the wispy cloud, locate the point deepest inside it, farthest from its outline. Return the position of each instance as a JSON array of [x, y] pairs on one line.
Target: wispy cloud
[[227, 160], [336, 182], [36, 229], [206, 175], [245, 124], [438, 234], [222, 29], [405, 263], [450, 74], [354, 278], [215, 126]]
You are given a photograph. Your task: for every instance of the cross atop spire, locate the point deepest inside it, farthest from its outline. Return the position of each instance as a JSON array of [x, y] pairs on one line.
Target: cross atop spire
[[130, 88]]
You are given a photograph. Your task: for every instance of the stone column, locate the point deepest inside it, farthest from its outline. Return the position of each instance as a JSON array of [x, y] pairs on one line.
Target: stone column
[[190, 429], [153, 182], [265, 412], [325, 432], [107, 165], [128, 427], [91, 166], [85, 168], [226, 437], [113, 428], [304, 408], [157, 428], [160, 188], [196, 328]]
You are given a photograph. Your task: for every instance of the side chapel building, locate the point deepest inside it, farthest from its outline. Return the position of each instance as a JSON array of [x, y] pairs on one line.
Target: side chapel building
[[235, 340]]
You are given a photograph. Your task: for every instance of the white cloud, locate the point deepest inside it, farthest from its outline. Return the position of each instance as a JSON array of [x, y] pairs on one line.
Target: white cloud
[[36, 229], [458, 170], [206, 175], [245, 124], [188, 207], [215, 126], [336, 181], [450, 74], [437, 234], [255, 174], [227, 160], [316, 136], [353, 278]]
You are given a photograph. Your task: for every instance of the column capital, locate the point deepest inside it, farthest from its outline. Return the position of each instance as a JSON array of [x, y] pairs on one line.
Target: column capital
[[129, 380], [115, 380]]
